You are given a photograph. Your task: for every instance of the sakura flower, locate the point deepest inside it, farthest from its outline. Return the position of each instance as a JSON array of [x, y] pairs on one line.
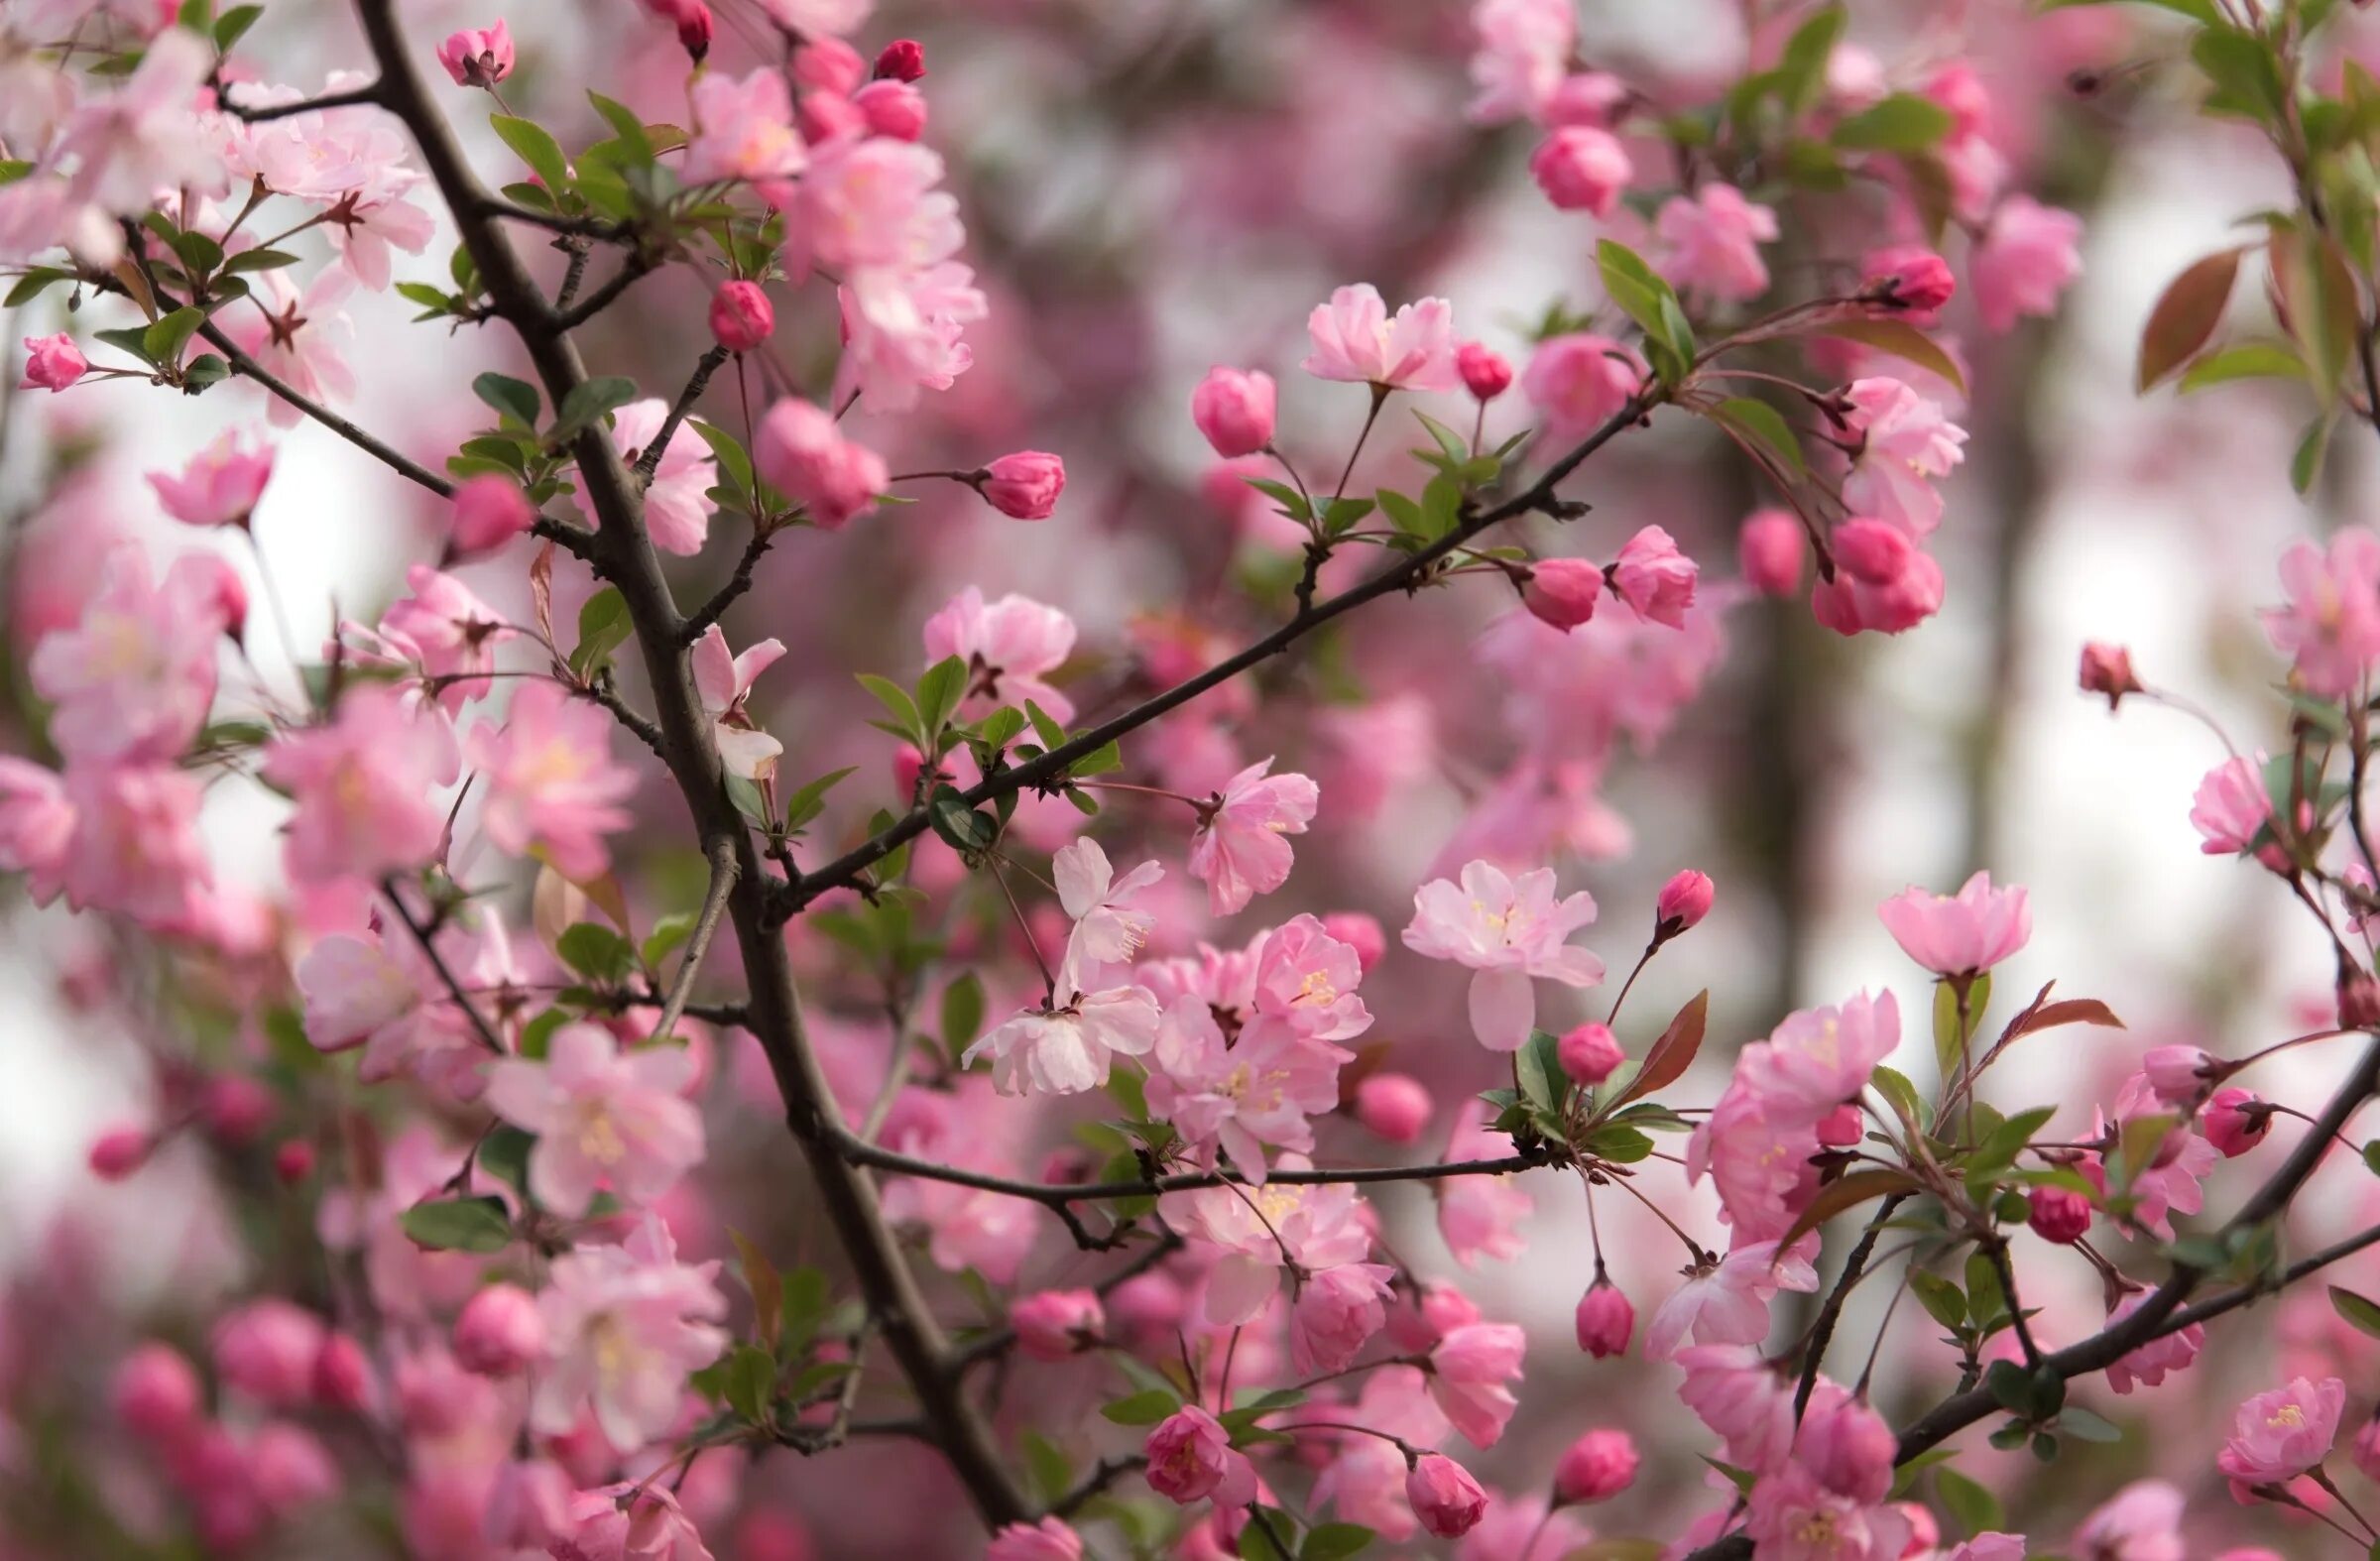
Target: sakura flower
[[1907, 443], [1007, 645], [1725, 1300], [801, 450], [1470, 1372], [1260, 1091], [219, 486], [2330, 628], [1889, 596], [1354, 339], [135, 849], [1523, 49], [548, 783], [135, 677], [2140, 1523], [1316, 1227], [2280, 1435], [447, 633], [1240, 851], [2231, 807], [1108, 929], [1508, 931], [1067, 1048], [2027, 257], [304, 338], [1306, 978], [1191, 1458], [1579, 381], [1793, 1517], [1960, 934], [366, 787], [744, 132], [624, 1326], [604, 1122], [722, 681], [677, 505], [1712, 240]]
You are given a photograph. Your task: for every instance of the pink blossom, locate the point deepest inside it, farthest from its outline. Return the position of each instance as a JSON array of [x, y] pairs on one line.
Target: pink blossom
[[1508, 931], [1596, 1467], [2147, 1364], [1068, 1048], [1562, 591], [1480, 1215], [490, 509], [219, 486], [1485, 374], [2231, 807], [1793, 1517], [478, 56], [500, 1331], [1470, 1372], [1109, 927], [1047, 1540], [2027, 256], [1990, 1546], [1356, 339], [36, 824], [52, 363], [1909, 279], [2059, 1214], [156, 1395], [1316, 1227], [1582, 168], [1847, 1445], [902, 59], [1007, 645], [1713, 238], [801, 450], [2140, 1523], [366, 787], [636, 1520], [1654, 579], [304, 338], [1590, 1052], [1306, 978], [1394, 1106], [1260, 1092], [604, 1122], [446, 632], [1190, 1457], [1683, 900], [2235, 1122], [677, 505], [2280, 1434], [1025, 485], [135, 678], [1235, 410], [723, 681], [2181, 1076], [135, 849], [547, 779], [1958, 934], [1888, 604], [892, 108], [624, 1326], [143, 137], [744, 132], [266, 1351], [1579, 381], [1447, 1499], [1338, 1311], [1743, 1397], [1241, 849], [1605, 1319], [1906, 445], [2330, 628], [118, 1154], [1770, 551], [1052, 1324], [1522, 52], [742, 318], [1726, 1301]]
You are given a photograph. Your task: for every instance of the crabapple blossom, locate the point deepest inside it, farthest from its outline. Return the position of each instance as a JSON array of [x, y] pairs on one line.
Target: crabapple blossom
[[1447, 1499], [2234, 1120], [1054, 1324], [1025, 485], [1070, 1046], [1190, 1457], [1906, 446], [2028, 254], [1394, 1106], [1240, 849], [1590, 1052], [488, 511], [135, 678], [2148, 1366], [1596, 1467], [2330, 627], [2059, 1214], [478, 56], [1522, 51], [604, 1120], [1562, 591], [1711, 241], [723, 681], [52, 363], [1605, 1319], [547, 779], [1471, 1369], [623, 1327], [1234, 409], [1582, 168], [677, 505], [1047, 1540], [1769, 551], [2280, 1434], [2231, 807], [500, 1331], [1354, 338], [743, 131], [1007, 645], [801, 450], [1485, 374], [219, 486], [742, 318], [1508, 931], [366, 787], [1960, 934], [1725, 1300], [2107, 669], [1654, 579], [1579, 381]]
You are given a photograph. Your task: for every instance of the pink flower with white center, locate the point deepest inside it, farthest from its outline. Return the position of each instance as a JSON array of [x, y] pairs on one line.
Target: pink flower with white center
[[2028, 254], [1007, 645], [135, 678], [801, 450], [1108, 929], [1052, 1324], [624, 1326], [1509, 931], [135, 849], [1795, 1519], [1470, 1371], [1354, 339], [366, 787], [2280, 1435], [1315, 1228], [723, 681], [1068, 1048], [1908, 443], [1240, 848], [606, 1121], [1958, 934], [449, 633], [744, 132], [478, 56], [1047, 1540], [304, 338], [1338, 1310], [1306, 978], [1522, 54], [677, 505], [1447, 1499], [2149, 1364], [548, 781], [635, 1520], [1745, 1398], [1577, 382], [1191, 1458], [2231, 807], [52, 363], [1259, 1091], [2330, 628], [146, 135], [37, 823], [1711, 239], [1726, 1301], [219, 487], [2140, 1523], [1654, 579], [1480, 1215]]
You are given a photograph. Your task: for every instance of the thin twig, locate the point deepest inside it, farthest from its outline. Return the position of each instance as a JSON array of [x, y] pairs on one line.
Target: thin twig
[[427, 940], [649, 461], [714, 905]]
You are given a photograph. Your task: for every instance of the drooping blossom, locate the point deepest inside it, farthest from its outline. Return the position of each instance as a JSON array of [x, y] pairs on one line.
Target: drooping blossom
[[1008, 645], [36, 824], [1356, 339], [1579, 381], [1745, 1397], [1337, 1313], [722, 681], [1486, 374], [801, 450], [1960, 934], [2231, 807], [1711, 242], [605, 1121], [1109, 928], [1447, 1499], [304, 339], [52, 363], [548, 783], [1052, 1324], [1654, 579], [742, 318], [478, 56], [445, 633], [1726, 1301], [366, 786], [1241, 849], [1470, 1372], [1596, 1467], [1509, 931], [624, 1325]]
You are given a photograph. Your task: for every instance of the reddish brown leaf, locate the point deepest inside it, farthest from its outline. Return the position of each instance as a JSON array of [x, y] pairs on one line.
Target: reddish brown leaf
[[2186, 315], [1845, 1192], [2074, 1010], [1674, 1053]]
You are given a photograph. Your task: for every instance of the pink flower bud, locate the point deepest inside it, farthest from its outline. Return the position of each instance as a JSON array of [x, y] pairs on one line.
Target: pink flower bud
[[291, 1469], [1485, 374], [2179, 1075], [2059, 1214], [1908, 278], [1190, 1457], [1360, 932], [2365, 1452], [2107, 669], [1562, 591], [1841, 1127], [154, 1394], [902, 59], [1606, 1320], [1396, 1106], [828, 116], [1769, 551], [1447, 1499], [293, 1160], [1582, 168], [828, 64], [1848, 1446], [478, 56], [1590, 1052], [1654, 579], [742, 318], [1685, 900], [1233, 409], [2235, 1120], [235, 1108], [342, 1376], [266, 1351], [892, 108], [1596, 1467], [908, 765], [119, 1152], [500, 1331], [694, 30], [488, 511], [1024, 486], [1054, 1324], [1873, 551], [1587, 98], [52, 363]]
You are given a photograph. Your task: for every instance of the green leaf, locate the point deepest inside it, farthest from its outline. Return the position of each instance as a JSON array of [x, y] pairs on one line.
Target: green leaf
[[2085, 1426], [1341, 516], [1645, 297], [962, 827], [603, 627], [1451, 444], [587, 403], [938, 694], [535, 145], [504, 1154], [32, 284], [476, 1225], [2371, 1156], [1952, 1043], [1052, 735], [515, 399], [1099, 762], [734, 464], [1142, 1409], [273, 260], [2307, 463], [1761, 425], [626, 126], [1903, 122], [1543, 1084], [1802, 66], [1403, 511], [1943, 1301], [2362, 1314], [1046, 1466], [809, 802], [2244, 71], [892, 697], [1974, 1507], [596, 952], [164, 340], [1292, 503], [751, 1382], [666, 936], [2010, 1385], [1335, 1542], [2185, 316], [962, 1011], [1902, 340], [2196, 10], [2254, 360], [233, 25]]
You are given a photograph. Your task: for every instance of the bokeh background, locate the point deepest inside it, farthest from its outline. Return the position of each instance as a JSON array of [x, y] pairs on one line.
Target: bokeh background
[[1152, 187]]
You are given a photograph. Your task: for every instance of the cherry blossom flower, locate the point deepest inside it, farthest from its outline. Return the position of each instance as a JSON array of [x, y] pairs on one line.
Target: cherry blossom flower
[[1470, 1372], [801, 450], [1007, 645], [220, 486], [1108, 929], [1306, 978], [1711, 242], [2330, 628], [744, 132], [1356, 339], [605, 1121], [1793, 1517], [2231, 807], [1579, 381], [2280, 1434], [624, 1325], [1241, 849], [2027, 257], [1259, 1091], [446, 632], [1191, 1458], [1726, 1301], [1654, 579], [1960, 934], [52, 363], [677, 504], [722, 681], [1509, 931], [548, 783], [304, 338], [1522, 54], [2148, 1365], [635, 1520], [135, 678], [1067, 1048], [1907, 444], [366, 787], [1258, 1229]]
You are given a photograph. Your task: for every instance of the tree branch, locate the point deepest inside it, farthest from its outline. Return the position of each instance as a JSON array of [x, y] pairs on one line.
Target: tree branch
[[737, 584], [714, 902], [367, 93], [651, 460], [248, 368], [427, 937]]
